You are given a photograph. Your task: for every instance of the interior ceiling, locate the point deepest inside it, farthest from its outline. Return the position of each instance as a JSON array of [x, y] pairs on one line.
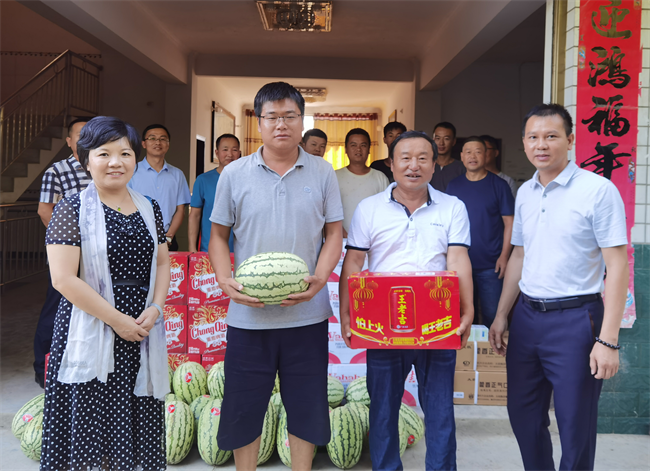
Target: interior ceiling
[[378, 29], [340, 93]]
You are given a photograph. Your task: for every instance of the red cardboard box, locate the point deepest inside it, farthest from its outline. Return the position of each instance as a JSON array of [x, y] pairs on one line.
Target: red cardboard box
[[418, 310], [177, 359], [203, 286], [208, 361], [207, 329], [176, 328], [177, 293]]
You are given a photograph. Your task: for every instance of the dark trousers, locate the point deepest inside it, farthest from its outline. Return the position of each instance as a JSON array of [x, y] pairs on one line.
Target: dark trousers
[[487, 290], [387, 372], [45, 329], [549, 352]]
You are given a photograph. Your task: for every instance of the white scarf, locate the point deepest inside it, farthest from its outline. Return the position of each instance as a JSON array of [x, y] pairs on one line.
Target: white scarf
[[89, 351]]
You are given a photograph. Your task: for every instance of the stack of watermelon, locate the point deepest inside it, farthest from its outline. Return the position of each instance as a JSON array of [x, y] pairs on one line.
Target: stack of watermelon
[[27, 427]]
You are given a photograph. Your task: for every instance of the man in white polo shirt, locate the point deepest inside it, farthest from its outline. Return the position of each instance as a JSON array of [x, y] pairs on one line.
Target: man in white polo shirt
[[569, 227], [411, 227]]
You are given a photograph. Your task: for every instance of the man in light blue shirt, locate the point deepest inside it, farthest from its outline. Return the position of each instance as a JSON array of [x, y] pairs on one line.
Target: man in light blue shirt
[[205, 187], [161, 181]]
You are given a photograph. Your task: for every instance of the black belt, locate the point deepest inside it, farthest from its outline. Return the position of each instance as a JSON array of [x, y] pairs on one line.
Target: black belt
[[559, 303], [130, 283]]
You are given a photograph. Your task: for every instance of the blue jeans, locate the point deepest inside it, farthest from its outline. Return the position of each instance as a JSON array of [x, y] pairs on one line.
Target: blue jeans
[[387, 372], [487, 289]]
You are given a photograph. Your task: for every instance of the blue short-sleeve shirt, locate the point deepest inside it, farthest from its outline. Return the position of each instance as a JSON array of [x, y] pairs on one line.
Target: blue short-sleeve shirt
[[203, 196]]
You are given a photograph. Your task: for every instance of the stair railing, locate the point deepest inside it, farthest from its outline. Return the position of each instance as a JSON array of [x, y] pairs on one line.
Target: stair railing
[[69, 84]]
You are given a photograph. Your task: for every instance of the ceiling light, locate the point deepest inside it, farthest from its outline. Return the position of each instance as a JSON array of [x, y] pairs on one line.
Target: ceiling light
[[295, 15], [312, 94]]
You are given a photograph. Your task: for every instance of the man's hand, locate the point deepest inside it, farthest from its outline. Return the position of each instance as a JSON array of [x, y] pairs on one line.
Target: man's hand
[[497, 330], [345, 328], [232, 288], [147, 319], [465, 328], [315, 285], [500, 267], [603, 361]]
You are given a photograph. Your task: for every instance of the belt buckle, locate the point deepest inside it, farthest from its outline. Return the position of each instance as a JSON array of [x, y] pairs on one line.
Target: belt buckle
[[541, 306]]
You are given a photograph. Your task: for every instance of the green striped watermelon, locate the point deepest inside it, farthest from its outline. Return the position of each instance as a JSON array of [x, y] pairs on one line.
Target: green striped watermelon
[[282, 440], [276, 399], [170, 397], [344, 448], [26, 414], [216, 380], [358, 391], [32, 437], [414, 424], [207, 436], [171, 377], [197, 407], [272, 276], [276, 386], [269, 432], [179, 431], [335, 391], [403, 436], [190, 381], [364, 416]]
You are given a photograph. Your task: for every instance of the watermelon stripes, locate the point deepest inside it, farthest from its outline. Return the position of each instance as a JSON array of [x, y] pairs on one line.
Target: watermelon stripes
[[179, 431], [207, 436], [272, 276], [344, 448]]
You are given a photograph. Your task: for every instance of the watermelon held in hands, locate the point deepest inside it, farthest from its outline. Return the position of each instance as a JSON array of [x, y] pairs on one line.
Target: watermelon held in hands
[[272, 276], [32, 438], [26, 414], [190, 381], [179, 430]]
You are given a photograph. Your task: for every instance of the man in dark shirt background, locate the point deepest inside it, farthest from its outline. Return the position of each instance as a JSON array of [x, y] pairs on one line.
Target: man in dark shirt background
[[447, 168]]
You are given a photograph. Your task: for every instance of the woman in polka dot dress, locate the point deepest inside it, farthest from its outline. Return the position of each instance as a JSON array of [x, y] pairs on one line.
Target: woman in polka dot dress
[[104, 424]]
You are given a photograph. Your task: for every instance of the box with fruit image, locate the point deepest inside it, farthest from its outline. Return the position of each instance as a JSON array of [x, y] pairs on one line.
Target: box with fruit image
[[177, 359], [177, 293], [207, 329], [176, 328], [414, 310], [339, 352], [203, 287]]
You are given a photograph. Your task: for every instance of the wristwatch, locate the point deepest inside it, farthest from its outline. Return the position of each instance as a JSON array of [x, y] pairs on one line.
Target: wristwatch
[[169, 239]]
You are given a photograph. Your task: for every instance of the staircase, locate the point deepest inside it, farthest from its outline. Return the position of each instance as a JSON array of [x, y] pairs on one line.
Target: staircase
[[33, 120]]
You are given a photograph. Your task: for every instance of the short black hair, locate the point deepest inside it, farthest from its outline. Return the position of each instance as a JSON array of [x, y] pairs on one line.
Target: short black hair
[[550, 109], [155, 126], [475, 139], [446, 125], [277, 91], [490, 140], [83, 119], [359, 131], [102, 129], [314, 133], [413, 135], [226, 136], [394, 125]]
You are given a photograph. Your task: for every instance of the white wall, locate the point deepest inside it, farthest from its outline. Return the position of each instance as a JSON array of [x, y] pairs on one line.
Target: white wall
[[493, 99]]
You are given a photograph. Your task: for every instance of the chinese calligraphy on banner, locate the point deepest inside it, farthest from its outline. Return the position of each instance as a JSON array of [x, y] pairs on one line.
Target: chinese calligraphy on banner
[[609, 64]]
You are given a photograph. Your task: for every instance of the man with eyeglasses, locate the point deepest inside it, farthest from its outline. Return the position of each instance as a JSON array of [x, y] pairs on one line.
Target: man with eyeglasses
[[155, 178], [278, 199]]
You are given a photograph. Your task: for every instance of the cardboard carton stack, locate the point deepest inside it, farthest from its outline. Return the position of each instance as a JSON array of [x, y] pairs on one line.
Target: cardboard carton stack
[[195, 311], [346, 364], [480, 373]]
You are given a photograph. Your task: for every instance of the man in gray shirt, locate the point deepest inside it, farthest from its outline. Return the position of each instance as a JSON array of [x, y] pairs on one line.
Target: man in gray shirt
[[279, 199]]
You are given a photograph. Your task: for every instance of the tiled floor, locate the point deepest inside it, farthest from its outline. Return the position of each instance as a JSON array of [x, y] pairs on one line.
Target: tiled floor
[[485, 441]]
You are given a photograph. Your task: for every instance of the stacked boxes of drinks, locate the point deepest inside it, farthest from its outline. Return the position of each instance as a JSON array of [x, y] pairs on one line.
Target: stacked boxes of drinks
[[346, 364], [480, 376], [195, 311]]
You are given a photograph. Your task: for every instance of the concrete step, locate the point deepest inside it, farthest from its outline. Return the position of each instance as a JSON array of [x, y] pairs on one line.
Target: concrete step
[[17, 169], [41, 142], [7, 183], [30, 156]]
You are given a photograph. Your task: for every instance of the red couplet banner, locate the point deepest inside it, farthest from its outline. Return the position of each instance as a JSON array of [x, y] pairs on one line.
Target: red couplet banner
[[609, 66]]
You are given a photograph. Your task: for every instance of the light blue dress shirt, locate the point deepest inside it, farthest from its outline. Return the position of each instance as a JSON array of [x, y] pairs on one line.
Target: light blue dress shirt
[[169, 187]]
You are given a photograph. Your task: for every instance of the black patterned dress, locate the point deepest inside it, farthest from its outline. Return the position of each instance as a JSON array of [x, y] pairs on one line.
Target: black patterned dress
[[97, 425]]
